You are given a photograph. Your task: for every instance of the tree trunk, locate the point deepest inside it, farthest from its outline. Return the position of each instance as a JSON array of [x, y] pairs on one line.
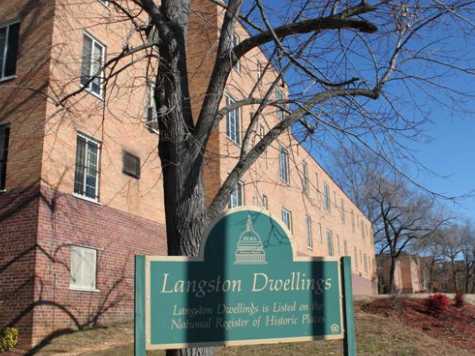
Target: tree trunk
[[392, 269], [181, 159], [454, 275]]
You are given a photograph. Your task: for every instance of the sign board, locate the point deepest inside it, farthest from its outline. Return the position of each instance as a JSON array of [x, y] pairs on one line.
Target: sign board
[[247, 286]]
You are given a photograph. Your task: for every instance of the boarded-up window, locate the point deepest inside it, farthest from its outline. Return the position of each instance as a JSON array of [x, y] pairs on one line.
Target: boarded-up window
[[83, 268]]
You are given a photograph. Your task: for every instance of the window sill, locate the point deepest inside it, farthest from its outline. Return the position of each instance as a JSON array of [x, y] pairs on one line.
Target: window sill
[[105, 4], [7, 79], [79, 289], [287, 184], [237, 144], [89, 91], [90, 200]]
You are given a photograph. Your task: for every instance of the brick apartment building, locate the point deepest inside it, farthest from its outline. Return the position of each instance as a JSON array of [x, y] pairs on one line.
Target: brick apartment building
[[80, 179], [409, 274]]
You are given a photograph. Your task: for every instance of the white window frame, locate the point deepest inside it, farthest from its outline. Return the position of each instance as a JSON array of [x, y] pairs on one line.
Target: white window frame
[[326, 197], [151, 123], [343, 217], [284, 168], [100, 75], [73, 285], [330, 243], [235, 41], [308, 223], [259, 70], [5, 51], [287, 219], [279, 95], [353, 221], [236, 198], [233, 118], [98, 169]]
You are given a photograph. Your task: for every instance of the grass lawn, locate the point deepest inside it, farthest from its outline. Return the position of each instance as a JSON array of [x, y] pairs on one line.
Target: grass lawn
[[376, 335]]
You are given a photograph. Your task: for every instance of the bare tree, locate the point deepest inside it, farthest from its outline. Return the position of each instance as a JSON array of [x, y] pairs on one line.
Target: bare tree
[[468, 251], [339, 57]]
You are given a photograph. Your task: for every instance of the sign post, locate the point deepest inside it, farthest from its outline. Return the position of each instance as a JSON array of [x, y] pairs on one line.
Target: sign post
[[350, 334], [247, 286]]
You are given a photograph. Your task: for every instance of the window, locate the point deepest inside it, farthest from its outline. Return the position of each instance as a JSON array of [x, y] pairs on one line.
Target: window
[[9, 39], [345, 247], [259, 70], [365, 259], [280, 96], [86, 180], [331, 249], [83, 268], [305, 177], [308, 222], [362, 229], [287, 218], [284, 165], [338, 244], [326, 197], [265, 201], [233, 122], [321, 233], [352, 221], [131, 165], [104, 2], [355, 253], [151, 118], [236, 198], [342, 206], [317, 185], [4, 139], [93, 58], [236, 40]]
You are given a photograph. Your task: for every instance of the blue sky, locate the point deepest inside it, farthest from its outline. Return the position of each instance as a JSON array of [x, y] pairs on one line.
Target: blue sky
[[450, 150], [451, 154]]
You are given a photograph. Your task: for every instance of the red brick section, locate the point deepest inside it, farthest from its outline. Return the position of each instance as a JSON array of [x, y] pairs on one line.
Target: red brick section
[[64, 220], [18, 229]]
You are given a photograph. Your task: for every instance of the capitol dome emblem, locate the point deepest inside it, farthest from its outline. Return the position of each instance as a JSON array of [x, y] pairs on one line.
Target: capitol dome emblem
[[249, 248]]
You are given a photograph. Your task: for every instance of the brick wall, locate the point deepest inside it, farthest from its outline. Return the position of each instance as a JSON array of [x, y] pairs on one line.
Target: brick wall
[[64, 221], [18, 231], [38, 230]]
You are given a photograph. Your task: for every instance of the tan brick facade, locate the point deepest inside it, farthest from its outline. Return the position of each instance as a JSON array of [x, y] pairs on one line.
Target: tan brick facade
[[128, 218]]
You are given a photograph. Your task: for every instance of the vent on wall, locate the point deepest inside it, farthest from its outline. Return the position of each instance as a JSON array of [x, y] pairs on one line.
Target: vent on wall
[[131, 165]]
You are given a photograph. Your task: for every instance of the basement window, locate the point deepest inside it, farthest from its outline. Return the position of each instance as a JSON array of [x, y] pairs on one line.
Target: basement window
[[83, 268], [131, 165]]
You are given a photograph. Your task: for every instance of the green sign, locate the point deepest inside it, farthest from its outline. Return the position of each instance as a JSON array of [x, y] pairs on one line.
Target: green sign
[[248, 286]]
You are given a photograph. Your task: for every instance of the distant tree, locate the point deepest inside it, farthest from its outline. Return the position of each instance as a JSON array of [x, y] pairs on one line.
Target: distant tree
[[403, 218], [468, 253]]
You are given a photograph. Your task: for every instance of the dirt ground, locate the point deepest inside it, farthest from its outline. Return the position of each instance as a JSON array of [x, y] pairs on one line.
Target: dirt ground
[[455, 326], [378, 333]]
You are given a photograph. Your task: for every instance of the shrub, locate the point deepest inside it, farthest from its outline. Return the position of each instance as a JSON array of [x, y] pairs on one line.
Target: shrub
[[8, 339], [459, 300], [437, 304]]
